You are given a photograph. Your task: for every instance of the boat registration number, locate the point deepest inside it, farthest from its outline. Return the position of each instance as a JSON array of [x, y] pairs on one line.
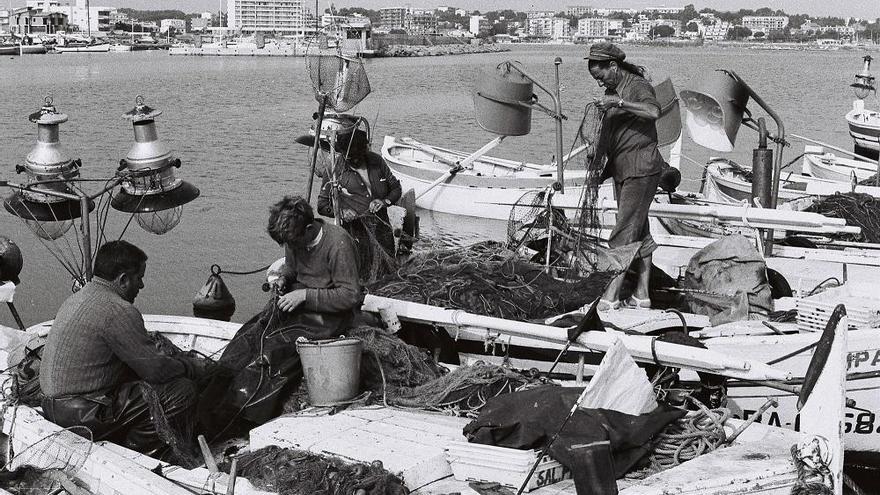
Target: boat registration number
[[858, 422]]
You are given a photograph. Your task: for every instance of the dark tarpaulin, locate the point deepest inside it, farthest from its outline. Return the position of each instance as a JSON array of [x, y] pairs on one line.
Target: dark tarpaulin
[[598, 446]]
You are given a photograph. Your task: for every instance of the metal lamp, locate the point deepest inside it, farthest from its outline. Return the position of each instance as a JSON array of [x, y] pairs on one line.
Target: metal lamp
[[863, 82], [716, 110], [714, 113], [150, 190], [49, 209]]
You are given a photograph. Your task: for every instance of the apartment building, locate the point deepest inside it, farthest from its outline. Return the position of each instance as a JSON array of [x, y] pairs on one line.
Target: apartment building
[[80, 15], [4, 21], [716, 31], [593, 27], [393, 17], [178, 25], [579, 10], [665, 10], [421, 22], [540, 14], [479, 25], [276, 16], [764, 23]]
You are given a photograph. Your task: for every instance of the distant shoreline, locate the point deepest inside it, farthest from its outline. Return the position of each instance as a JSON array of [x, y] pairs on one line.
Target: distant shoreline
[[439, 50]]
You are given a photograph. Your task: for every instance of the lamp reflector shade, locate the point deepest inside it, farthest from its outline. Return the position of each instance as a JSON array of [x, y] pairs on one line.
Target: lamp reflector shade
[[715, 110], [40, 211], [145, 203]]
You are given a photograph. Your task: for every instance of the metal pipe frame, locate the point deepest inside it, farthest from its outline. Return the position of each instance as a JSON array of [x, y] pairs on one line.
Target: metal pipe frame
[[557, 110]]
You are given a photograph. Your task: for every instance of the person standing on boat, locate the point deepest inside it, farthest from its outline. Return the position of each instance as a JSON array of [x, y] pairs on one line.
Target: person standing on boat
[[101, 370], [317, 297], [634, 162], [365, 188]]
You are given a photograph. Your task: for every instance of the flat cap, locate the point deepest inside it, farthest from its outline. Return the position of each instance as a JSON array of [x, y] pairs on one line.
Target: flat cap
[[605, 51]]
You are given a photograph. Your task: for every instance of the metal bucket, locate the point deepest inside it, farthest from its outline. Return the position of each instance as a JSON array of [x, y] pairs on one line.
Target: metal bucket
[[503, 103], [332, 369]]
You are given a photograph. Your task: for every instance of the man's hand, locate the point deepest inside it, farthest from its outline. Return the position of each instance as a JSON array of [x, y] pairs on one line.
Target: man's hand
[[348, 215], [376, 205], [290, 301], [279, 285], [605, 102]]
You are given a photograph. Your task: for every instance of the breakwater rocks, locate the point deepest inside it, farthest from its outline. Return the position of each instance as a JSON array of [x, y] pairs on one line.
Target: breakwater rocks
[[437, 50]]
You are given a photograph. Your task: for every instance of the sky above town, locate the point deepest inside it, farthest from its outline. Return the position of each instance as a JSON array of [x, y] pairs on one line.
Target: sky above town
[[866, 9]]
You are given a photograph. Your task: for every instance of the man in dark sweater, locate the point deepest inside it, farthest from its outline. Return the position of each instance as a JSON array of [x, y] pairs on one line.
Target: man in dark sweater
[[318, 296], [365, 188], [100, 368]]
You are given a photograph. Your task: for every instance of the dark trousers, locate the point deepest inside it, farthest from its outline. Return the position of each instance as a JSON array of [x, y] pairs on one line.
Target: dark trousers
[[123, 417], [634, 196]]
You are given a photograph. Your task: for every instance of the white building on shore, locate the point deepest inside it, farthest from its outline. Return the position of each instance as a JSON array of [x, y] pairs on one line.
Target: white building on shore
[[764, 23], [286, 17], [94, 19]]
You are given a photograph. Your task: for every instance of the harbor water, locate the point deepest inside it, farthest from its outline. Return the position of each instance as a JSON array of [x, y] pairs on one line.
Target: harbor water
[[233, 120]]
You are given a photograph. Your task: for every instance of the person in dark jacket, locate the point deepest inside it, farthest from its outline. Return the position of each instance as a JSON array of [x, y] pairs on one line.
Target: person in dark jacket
[[634, 162], [100, 367], [365, 188]]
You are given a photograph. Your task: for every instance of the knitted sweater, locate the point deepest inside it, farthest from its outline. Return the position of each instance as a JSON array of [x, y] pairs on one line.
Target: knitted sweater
[[329, 272], [98, 341]]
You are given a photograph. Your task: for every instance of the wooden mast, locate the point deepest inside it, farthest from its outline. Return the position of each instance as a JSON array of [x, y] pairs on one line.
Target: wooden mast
[[88, 21]]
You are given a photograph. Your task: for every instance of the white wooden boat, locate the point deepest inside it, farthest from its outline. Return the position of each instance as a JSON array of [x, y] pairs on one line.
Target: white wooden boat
[[818, 163], [487, 188], [412, 444], [864, 127], [83, 48], [120, 47], [726, 181]]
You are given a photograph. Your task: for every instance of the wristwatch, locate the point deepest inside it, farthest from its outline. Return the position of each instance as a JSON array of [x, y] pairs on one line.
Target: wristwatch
[[620, 103], [387, 202]]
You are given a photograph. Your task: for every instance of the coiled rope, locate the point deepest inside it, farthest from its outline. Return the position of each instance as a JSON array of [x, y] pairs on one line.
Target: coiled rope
[[693, 435]]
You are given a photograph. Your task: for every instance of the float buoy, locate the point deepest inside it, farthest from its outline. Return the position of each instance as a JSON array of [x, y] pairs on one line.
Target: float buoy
[[11, 261], [214, 300]]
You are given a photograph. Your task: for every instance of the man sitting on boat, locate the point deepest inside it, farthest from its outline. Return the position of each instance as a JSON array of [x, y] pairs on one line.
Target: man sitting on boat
[[101, 370], [319, 295], [365, 187]]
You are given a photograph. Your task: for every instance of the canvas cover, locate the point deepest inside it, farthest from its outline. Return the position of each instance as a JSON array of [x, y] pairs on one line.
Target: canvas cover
[[727, 281]]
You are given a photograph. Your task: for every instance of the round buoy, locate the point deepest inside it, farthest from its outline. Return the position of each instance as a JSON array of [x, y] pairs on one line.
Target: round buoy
[[214, 300], [11, 261]]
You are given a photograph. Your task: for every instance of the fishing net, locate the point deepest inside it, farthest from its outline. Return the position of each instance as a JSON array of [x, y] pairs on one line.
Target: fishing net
[[858, 209], [488, 279], [295, 472], [342, 81], [377, 256], [49, 463], [594, 136], [465, 390]]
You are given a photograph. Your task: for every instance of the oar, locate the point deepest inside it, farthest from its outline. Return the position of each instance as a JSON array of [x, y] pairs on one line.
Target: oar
[[835, 148], [459, 166], [443, 178]]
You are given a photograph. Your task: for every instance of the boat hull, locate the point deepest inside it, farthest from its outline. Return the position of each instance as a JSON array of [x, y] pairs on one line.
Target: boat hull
[[99, 48], [488, 190], [864, 128], [828, 166]]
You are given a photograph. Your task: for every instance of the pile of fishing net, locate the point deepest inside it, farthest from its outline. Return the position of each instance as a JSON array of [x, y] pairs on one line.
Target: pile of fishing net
[[488, 279], [294, 472], [403, 375], [394, 373], [858, 209]]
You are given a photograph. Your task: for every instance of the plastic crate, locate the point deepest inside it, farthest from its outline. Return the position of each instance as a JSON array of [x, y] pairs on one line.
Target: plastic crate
[[862, 307], [508, 467]]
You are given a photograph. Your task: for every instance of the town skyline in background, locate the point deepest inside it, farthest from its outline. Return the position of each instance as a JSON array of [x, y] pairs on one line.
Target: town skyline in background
[[818, 8]]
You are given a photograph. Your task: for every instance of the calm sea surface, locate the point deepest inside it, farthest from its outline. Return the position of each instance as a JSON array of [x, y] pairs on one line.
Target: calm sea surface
[[232, 121]]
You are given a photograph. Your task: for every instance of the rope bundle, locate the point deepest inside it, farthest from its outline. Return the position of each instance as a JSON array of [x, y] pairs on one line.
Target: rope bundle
[[690, 437]]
